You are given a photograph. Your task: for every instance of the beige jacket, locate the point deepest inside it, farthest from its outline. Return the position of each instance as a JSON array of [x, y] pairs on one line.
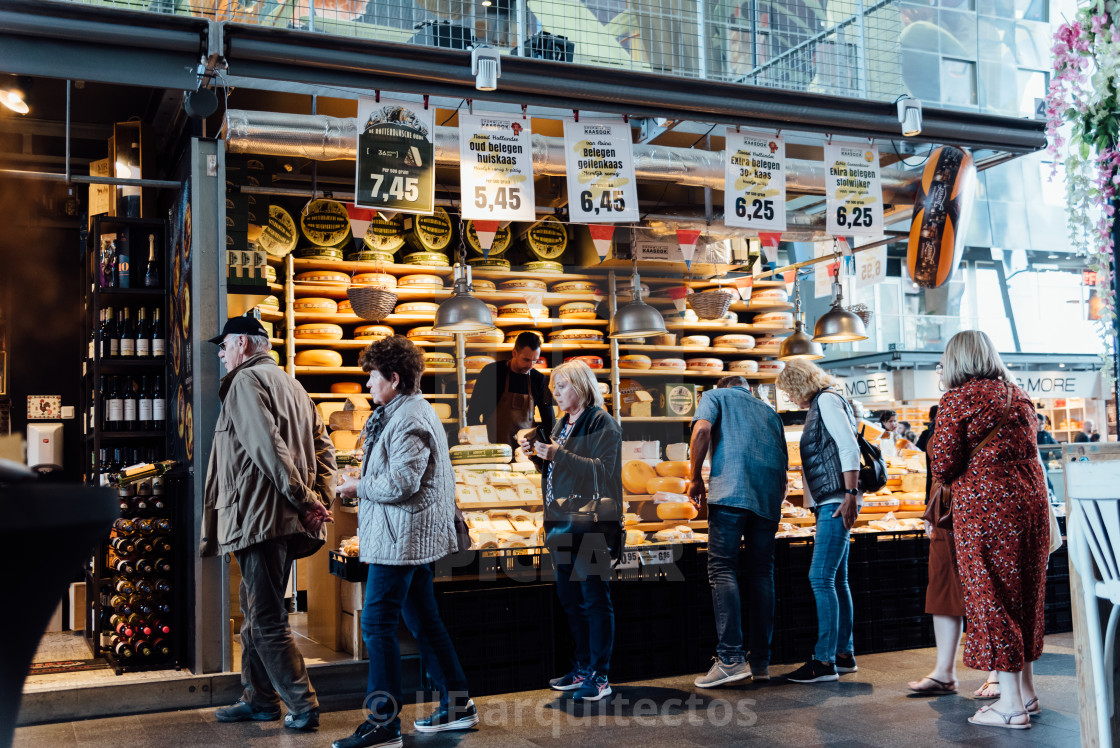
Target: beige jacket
[[271, 455]]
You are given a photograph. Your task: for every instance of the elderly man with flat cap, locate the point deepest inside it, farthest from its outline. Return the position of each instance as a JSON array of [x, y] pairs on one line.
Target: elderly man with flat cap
[[269, 484]]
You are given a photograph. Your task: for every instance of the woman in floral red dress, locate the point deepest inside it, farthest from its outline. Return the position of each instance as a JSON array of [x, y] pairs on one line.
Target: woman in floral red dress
[[1001, 521]]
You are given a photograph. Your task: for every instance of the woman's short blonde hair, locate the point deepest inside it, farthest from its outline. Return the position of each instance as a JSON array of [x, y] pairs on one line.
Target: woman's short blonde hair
[[580, 377], [971, 354], [801, 380]]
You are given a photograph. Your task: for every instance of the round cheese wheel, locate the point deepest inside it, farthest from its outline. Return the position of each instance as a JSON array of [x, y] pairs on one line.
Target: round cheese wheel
[[429, 233], [468, 454], [489, 336], [878, 504], [676, 510], [677, 364], [576, 334], [443, 410], [386, 236], [577, 310], [941, 212], [547, 238], [517, 309], [373, 332], [345, 307], [635, 475], [774, 319], [673, 468], [318, 331], [427, 333], [323, 254], [280, 235], [771, 367], [322, 276], [318, 357], [704, 364], [270, 302], [746, 366], [481, 284], [379, 280], [325, 222], [430, 259], [438, 360], [696, 341], [742, 342], [420, 281], [634, 361], [544, 266], [769, 296], [768, 344], [314, 304], [523, 284], [417, 308], [346, 388], [593, 362], [476, 363], [576, 287], [368, 255], [489, 263]]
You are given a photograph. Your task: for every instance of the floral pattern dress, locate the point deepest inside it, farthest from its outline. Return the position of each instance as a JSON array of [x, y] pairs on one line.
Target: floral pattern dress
[[1001, 521]]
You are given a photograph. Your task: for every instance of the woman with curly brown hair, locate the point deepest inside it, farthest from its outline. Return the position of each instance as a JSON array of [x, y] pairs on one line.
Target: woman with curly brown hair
[[406, 521]]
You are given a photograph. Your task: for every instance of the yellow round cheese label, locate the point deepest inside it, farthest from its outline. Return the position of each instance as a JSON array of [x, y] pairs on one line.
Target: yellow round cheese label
[[279, 237], [502, 240], [548, 238], [325, 223], [429, 233], [384, 235]]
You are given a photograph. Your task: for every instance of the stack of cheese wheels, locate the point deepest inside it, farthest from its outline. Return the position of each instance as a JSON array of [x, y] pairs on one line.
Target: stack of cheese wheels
[[774, 319], [696, 341], [771, 367], [471, 454], [544, 266], [676, 510], [516, 310], [746, 366], [742, 342], [347, 388], [318, 331], [476, 363], [766, 296], [576, 286], [487, 336], [438, 360], [373, 332], [673, 468], [318, 357], [377, 280], [523, 284], [424, 309], [768, 344], [577, 310], [634, 361], [270, 304], [878, 504], [315, 305], [635, 475], [481, 284], [419, 281], [669, 364], [593, 362], [427, 334], [576, 335], [704, 364], [666, 484], [323, 277]]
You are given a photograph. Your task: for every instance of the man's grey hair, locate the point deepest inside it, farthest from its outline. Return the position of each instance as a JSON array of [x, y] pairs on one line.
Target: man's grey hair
[[255, 344], [732, 381]]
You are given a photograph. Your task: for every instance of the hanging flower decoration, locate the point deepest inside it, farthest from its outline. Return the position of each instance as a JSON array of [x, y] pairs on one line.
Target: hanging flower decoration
[[1085, 93]]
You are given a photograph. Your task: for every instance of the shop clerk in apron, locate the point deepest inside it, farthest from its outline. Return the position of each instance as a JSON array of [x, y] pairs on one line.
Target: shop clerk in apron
[[506, 393]]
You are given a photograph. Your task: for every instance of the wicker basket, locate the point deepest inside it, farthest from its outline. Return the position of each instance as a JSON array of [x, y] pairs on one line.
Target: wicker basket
[[371, 302], [710, 304], [862, 311]]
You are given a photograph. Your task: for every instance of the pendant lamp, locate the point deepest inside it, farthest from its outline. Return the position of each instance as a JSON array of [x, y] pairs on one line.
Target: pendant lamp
[[463, 313], [637, 319], [799, 346], [838, 325]]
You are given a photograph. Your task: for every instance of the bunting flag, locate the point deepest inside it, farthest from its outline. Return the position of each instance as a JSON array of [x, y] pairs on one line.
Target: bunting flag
[[687, 239], [360, 219], [602, 234], [679, 295], [744, 286], [485, 230], [845, 248], [790, 277], [536, 305], [770, 242]]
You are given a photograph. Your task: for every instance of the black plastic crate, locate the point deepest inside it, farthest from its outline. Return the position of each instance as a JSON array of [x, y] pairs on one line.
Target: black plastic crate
[[902, 603], [902, 633], [347, 567], [1057, 591], [888, 546], [1059, 619]]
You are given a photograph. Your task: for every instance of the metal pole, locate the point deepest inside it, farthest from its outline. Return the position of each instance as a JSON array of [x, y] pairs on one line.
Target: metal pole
[[1115, 319], [702, 37]]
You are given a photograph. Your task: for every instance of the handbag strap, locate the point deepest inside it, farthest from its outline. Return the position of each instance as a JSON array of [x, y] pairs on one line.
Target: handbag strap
[[999, 424]]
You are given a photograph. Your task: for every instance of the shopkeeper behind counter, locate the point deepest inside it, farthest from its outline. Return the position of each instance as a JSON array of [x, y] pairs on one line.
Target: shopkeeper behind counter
[[506, 392]]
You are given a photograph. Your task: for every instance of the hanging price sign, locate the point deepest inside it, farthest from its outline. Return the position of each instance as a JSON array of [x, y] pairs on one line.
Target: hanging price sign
[[396, 156], [496, 167], [824, 272], [754, 194], [871, 266], [853, 189], [602, 187]]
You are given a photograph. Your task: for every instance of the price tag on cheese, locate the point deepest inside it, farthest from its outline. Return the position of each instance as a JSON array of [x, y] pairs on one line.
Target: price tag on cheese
[[853, 189], [602, 187], [657, 556], [871, 266], [754, 193], [496, 167], [396, 156], [629, 560]]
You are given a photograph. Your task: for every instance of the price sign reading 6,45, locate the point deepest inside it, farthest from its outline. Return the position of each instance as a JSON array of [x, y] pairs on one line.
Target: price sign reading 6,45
[[396, 156], [600, 170], [496, 167], [853, 189], [754, 194]]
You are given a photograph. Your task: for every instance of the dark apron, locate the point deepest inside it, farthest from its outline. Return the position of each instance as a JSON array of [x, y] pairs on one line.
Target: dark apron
[[514, 411]]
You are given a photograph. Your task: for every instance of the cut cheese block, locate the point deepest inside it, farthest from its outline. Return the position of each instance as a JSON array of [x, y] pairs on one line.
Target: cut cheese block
[[476, 363], [673, 468], [576, 334], [629, 519], [666, 483], [475, 434], [438, 360], [489, 336], [671, 364], [634, 361], [704, 364], [346, 388], [743, 342], [270, 303], [635, 475], [676, 510], [696, 341], [527, 492], [442, 410], [593, 362], [349, 420], [498, 477], [769, 296], [635, 537], [373, 332], [577, 310], [315, 304], [346, 440], [420, 281], [318, 357], [677, 452], [775, 319], [576, 287], [376, 280], [318, 331], [914, 482], [422, 308], [323, 277], [746, 366], [428, 334], [466, 493], [326, 409], [466, 454]]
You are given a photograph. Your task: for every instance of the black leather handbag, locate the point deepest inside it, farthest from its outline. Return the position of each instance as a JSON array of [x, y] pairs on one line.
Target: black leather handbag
[[873, 468], [578, 515]]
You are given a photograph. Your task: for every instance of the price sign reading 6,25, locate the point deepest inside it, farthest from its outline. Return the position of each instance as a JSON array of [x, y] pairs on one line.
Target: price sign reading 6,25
[[396, 156], [853, 189], [754, 194], [600, 169], [496, 167]]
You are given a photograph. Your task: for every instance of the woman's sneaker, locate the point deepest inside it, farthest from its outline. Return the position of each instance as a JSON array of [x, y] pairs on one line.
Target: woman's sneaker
[[846, 663], [722, 673], [813, 671], [450, 718], [593, 688], [569, 681]]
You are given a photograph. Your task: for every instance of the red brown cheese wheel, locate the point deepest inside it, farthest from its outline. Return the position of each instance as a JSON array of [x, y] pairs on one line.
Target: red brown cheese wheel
[[941, 211], [593, 362]]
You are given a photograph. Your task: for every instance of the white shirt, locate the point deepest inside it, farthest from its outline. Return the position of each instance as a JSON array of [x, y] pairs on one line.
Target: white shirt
[[841, 427]]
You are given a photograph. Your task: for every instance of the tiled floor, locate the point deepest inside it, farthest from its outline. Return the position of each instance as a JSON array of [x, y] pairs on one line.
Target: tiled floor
[[868, 708]]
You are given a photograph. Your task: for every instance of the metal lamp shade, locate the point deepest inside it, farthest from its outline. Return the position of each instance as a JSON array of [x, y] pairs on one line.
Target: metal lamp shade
[[800, 346], [838, 325], [463, 313], [637, 320]]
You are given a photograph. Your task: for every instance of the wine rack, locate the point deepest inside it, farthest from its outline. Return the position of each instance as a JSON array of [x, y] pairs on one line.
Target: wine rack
[[135, 581]]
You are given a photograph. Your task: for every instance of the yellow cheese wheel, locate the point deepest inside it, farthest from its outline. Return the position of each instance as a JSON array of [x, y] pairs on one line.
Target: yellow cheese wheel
[[576, 334], [346, 388], [322, 277], [634, 361], [420, 281], [489, 336], [676, 510], [577, 310], [427, 333], [373, 332], [666, 483], [315, 304], [673, 468], [518, 309], [318, 331], [593, 362], [523, 284], [443, 410], [481, 284], [318, 357], [380, 280], [476, 363], [345, 307], [417, 308], [439, 360], [576, 287], [431, 259], [879, 504], [635, 475]]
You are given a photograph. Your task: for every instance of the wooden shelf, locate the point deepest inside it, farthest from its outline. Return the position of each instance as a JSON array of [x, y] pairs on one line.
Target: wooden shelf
[[276, 288], [686, 351], [729, 327], [761, 308], [270, 316], [468, 506], [300, 265], [695, 524], [688, 373], [549, 322], [575, 345]]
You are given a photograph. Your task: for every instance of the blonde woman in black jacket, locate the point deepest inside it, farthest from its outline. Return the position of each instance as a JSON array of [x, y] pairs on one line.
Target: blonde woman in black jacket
[[584, 454]]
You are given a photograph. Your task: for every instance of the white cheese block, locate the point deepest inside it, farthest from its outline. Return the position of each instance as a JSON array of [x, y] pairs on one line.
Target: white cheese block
[[769, 296], [466, 493], [704, 364], [771, 367], [527, 492], [506, 493], [677, 452], [675, 364], [774, 319], [498, 477], [696, 341], [743, 342], [473, 478], [465, 454]]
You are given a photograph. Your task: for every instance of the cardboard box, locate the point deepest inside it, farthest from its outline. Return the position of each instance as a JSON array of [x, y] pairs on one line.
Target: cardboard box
[[101, 200]]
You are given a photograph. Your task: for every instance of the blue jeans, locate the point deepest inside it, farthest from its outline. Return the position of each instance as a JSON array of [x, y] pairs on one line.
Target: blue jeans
[[391, 590], [828, 576], [727, 526], [583, 586]]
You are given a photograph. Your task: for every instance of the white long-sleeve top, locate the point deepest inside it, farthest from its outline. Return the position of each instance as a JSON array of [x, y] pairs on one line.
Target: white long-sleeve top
[[841, 427]]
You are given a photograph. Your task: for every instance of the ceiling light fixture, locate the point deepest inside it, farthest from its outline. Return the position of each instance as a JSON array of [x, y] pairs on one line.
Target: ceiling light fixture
[[839, 325], [910, 115], [637, 319], [799, 346], [14, 96], [462, 313], [486, 67]]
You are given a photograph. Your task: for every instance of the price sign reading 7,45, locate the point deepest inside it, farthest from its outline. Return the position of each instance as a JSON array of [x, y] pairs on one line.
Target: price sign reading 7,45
[[396, 156], [754, 194]]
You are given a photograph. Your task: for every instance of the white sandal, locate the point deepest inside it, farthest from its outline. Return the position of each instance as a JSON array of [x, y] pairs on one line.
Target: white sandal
[[1006, 717], [1033, 707]]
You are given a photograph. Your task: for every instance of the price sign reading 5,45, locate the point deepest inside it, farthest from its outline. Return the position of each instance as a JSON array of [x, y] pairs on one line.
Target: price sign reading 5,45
[[496, 167], [853, 189], [599, 163], [396, 156], [754, 191]]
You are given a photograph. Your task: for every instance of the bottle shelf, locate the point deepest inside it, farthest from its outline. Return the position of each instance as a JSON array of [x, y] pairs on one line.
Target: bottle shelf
[[125, 292], [122, 435], [107, 365]]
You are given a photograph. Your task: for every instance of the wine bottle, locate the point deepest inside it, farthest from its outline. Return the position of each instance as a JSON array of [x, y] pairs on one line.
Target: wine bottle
[[163, 587], [123, 546], [109, 343], [164, 608], [107, 263], [143, 335], [142, 648], [144, 403], [104, 467], [120, 626], [144, 566], [145, 526], [124, 587], [161, 565], [141, 605], [161, 646], [144, 545], [159, 342], [162, 526], [131, 415], [126, 336], [125, 527], [158, 625], [123, 566], [159, 405], [134, 473], [161, 545], [122, 650], [144, 588], [93, 333], [115, 419], [120, 604], [152, 272], [140, 625]]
